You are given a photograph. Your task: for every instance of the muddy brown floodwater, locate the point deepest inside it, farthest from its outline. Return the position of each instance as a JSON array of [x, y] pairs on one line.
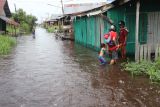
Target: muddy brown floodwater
[[48, 72]]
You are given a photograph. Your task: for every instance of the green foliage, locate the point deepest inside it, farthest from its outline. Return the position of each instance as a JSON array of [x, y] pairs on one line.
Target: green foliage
[[6, 44], [27, 22], [11, 30], [19, 16], [151, 69], [51, 29], [26, 27]]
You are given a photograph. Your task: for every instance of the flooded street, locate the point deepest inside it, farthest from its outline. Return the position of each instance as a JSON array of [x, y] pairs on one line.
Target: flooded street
[[48, 72]]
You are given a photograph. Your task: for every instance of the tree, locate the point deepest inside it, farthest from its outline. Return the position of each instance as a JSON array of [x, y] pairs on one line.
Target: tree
[[26, 21]]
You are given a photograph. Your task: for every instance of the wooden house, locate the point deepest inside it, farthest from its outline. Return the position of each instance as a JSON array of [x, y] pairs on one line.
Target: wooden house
[[142, 18], [4, 17]]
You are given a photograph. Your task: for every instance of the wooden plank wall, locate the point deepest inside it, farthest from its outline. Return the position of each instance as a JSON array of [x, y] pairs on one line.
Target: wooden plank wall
[[151, 50], [147, 54]]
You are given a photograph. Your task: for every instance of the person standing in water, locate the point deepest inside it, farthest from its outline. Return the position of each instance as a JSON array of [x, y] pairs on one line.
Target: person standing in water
[[101, 54], [33, 33], [111, 41], [123, 39]]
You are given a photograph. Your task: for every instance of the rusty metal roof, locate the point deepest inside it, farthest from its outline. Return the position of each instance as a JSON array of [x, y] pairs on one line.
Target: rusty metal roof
[[2, 3], [4, 8], [9, 21]]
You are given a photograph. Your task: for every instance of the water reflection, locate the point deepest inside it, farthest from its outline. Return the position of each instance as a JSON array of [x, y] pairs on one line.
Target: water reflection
[[46, 72]]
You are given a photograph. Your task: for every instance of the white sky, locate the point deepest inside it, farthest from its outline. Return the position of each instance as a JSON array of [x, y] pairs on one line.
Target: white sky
[[41, 9]]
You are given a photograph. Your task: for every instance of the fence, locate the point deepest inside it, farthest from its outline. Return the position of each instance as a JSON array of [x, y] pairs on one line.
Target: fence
[[147, 53]]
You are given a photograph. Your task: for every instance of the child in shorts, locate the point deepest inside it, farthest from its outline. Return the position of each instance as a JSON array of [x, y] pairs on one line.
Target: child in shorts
[[101, 54]]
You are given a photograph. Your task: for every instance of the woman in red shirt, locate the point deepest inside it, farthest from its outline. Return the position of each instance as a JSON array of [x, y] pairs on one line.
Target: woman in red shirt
[[111, 41]]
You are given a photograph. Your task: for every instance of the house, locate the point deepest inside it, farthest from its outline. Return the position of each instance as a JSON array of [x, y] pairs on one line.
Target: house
[[4, 17], [90, 26], [64, 23], [53, 20], [141, 17]]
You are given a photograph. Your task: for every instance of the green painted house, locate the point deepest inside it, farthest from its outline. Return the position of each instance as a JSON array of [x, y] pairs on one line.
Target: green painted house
[[142, 19], [89, 28], [149, 22]]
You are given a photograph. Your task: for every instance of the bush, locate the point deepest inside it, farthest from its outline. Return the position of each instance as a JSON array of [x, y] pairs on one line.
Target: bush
[[25, 27], [51, 29], [6, 44], [151, 69]]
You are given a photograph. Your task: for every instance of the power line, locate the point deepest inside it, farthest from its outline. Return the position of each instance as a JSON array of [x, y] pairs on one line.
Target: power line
[[54, 5], [40, 1]]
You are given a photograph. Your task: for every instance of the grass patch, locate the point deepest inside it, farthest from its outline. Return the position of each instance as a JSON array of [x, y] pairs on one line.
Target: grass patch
[[6, 44], [150, 69]]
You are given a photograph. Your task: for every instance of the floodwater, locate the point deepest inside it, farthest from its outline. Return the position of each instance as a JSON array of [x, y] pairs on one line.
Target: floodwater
[[48, 72]]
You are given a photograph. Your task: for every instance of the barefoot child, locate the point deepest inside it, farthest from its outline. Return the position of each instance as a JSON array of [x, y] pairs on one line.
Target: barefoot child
[[102, 53]]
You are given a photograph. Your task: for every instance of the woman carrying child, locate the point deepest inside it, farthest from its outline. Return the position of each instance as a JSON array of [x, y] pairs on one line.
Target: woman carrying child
[[111, 41]]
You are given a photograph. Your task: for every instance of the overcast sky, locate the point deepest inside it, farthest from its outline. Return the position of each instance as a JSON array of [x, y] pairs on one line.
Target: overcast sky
[[41, 9]]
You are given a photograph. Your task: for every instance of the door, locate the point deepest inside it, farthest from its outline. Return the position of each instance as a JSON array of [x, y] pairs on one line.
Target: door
[[153, 29]]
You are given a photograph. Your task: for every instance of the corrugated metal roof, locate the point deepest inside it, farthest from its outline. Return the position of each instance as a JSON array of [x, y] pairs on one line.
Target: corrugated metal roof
[[95, 11], [10, 21], [82, 7], [6, 9]]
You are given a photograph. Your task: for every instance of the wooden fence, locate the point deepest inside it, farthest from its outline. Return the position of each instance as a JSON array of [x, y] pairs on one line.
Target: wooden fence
[[145, 52]]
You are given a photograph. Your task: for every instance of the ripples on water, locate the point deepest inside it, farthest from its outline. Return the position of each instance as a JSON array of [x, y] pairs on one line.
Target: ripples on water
[[47, 72]]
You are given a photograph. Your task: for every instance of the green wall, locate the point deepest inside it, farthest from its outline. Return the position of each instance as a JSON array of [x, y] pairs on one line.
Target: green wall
[[127, 13], [87, 31]]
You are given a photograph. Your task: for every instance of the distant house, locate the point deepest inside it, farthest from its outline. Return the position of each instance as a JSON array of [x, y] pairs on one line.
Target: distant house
[[55, 20], [64, 22], [142, 19], [4, 16]]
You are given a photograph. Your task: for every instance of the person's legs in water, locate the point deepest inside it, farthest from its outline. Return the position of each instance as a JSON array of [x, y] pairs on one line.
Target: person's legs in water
[[114, 58], [123, 52], [102, 60]]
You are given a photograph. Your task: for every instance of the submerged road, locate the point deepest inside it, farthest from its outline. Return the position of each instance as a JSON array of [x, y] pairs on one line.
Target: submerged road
[[48, 72]]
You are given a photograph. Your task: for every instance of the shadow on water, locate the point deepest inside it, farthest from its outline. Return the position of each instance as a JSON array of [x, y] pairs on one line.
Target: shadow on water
[[46, 72]]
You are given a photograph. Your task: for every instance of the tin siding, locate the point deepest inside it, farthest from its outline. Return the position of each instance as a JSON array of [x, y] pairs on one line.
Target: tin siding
[[153, 29]]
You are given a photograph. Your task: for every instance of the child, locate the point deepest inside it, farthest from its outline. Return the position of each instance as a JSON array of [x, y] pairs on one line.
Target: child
[[101, 54]]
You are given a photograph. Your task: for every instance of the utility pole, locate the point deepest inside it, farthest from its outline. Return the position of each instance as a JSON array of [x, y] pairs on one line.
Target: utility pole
[[15, 7], [137, 31], [62, 7], [15, 12], [60, 22], [62, 14]]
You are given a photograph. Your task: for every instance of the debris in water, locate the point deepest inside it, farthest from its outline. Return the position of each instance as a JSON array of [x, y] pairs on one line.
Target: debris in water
[[121, 82]]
